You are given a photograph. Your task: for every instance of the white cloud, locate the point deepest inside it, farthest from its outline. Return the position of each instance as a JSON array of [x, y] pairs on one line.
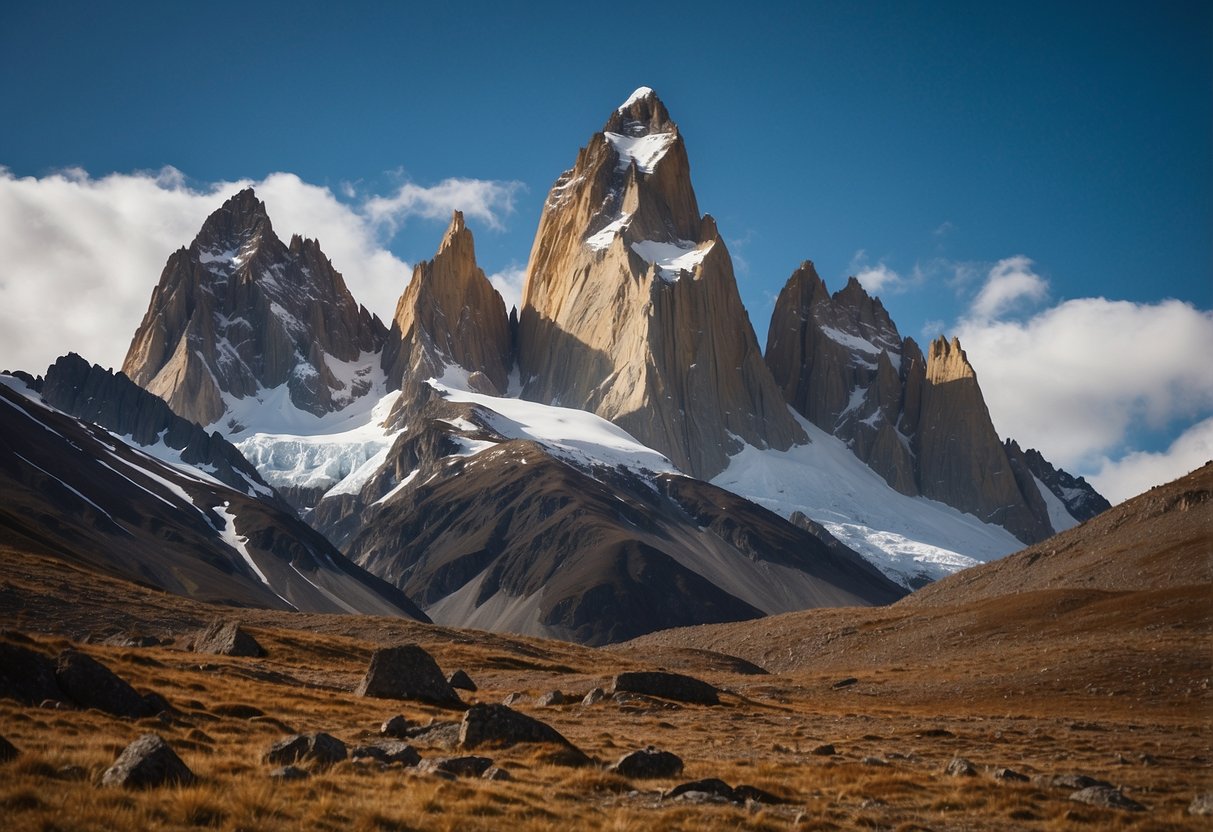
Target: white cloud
[[875, 278], [1078, 379], [1010, 282], [508, 283], [1140, 470], [482, 199], [82, 255]]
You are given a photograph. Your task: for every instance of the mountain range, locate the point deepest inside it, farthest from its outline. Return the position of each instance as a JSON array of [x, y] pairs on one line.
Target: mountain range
[[617, 456]]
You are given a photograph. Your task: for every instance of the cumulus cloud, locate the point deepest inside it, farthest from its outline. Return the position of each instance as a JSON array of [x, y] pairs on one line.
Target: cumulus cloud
[[1138, 471], [876, 278], [81, 254], [485, 200], [1079, 379], [508, 283], [1010, 283]]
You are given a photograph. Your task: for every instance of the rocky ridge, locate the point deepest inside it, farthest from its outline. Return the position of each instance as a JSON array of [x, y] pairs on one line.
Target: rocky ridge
[[239, 312], [920, 422]]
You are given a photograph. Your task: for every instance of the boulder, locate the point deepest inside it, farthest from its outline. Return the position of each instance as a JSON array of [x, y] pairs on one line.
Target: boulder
[[396, 726], [146, 763], [459, 679], [714, 787], [647, 763], [1202, 804], [467, 766], [502, 727], [318, 747], [1107, 797], [27, 676], [8, 751], [552, 697], [289, 773], [667, 686], [960, 767], [93, 685], [227, 638], [407, 672], [497, 773], [594, 696], [388, 752], [1010, 775], [1073, 782], [825, 750]]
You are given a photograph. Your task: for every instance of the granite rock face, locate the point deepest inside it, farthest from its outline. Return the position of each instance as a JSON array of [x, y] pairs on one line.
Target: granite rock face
[[1081, 500], [449, 315], [239, 311], [920, 422], [631, 309]]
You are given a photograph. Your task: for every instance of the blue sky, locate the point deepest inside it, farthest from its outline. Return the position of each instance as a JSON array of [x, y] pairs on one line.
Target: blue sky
[[920, 144]]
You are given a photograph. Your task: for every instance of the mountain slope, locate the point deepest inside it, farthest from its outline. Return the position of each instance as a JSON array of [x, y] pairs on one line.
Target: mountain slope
[[627, 295], [920, 422], [238, 312], [83, 494]]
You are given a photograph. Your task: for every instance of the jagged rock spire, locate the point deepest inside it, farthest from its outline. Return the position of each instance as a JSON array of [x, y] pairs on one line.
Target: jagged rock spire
[[450, 316], [238, 312], [631, 309]]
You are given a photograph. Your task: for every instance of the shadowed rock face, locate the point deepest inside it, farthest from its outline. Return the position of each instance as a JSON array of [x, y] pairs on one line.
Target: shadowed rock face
[[238, 311], [146, 763], [631, 309], [1081, 500], [920, 422], [449, 315]]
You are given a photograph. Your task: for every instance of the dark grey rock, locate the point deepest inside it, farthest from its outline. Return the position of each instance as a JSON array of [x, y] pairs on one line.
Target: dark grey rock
[[497, 773], [467, 766], [1073, 782], [289, 773], [146, 763], [443, 734], [845, 683], [27, 675], [396, 726], [319, 747], [132, 640], [8, 751], [1107, 797], [824, 750], [667, 686], [874, 761], [459, 679], [499, 726], [91, 684], [594, 696], [514, 699], [407, 672], [227, 638], [552, 697], [388, 752], [960, 767], [1010, 775], [648, 762], [714, 787]]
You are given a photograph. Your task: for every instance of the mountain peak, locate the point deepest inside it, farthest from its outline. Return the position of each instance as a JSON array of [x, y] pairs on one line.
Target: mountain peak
[[457, 234], [641, 115], [238, 220], [948, 362]]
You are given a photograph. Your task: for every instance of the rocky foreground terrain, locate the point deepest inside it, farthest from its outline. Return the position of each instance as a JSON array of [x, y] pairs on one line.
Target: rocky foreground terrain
[[1065, 687]]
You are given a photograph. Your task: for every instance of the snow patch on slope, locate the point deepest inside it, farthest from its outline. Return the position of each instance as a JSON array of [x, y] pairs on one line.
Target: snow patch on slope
[[672, 259], [1059, 515], [575, 436], [645, 151], [907, 538]]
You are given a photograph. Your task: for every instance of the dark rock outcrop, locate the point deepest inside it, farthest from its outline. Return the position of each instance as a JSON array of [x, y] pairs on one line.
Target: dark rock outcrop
[[459, 679], [714, 787], [407, 672], [146, 763], [321, 748], [93, 685], [113, 401], [227, 638], [667, 686], [648, 763], [1107, 797], [8, 751], [466, 766], [1080, 498], [388, 753], [501, 727], [27, 675]]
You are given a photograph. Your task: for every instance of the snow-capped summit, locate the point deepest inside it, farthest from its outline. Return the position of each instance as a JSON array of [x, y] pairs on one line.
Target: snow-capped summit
[[239, 313], [631, 310]]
